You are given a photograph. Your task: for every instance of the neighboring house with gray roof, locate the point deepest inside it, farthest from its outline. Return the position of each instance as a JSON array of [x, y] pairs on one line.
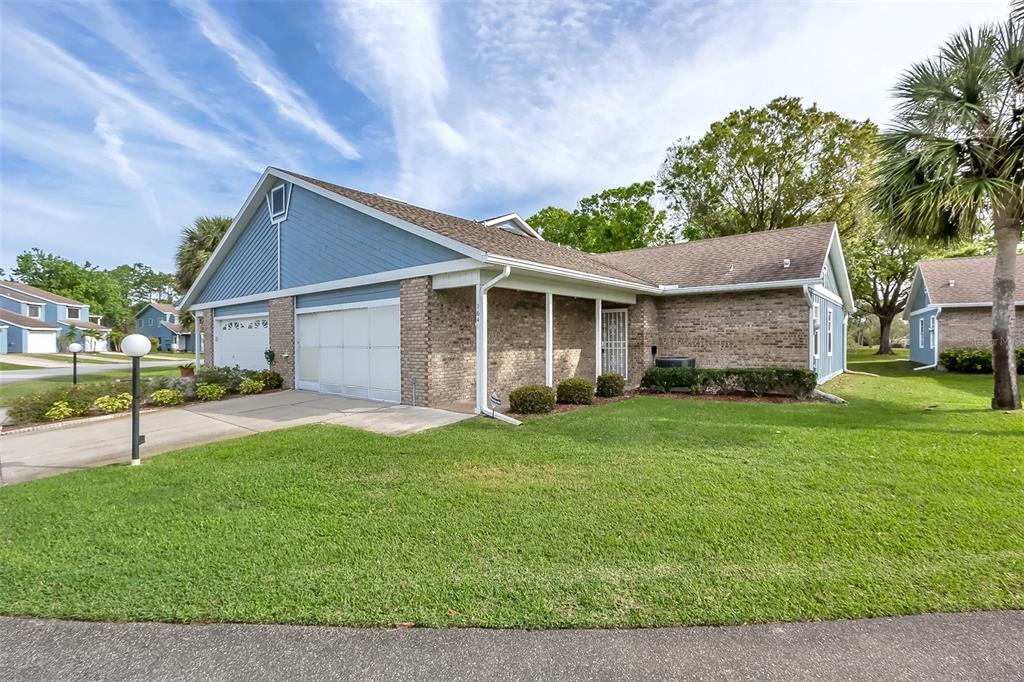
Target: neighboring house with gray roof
[[163, 321], [45, 311], [950, 306], [364, 295]]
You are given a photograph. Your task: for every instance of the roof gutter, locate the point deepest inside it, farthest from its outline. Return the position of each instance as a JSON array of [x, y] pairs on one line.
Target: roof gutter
[[481, 349], [531, 266], [746, 286]]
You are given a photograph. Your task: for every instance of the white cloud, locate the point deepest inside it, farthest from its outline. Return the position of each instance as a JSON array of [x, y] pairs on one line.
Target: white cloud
[[291, 101], [113, 146]]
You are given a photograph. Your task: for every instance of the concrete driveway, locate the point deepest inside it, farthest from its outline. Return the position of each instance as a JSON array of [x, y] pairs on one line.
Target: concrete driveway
[[25, 456]]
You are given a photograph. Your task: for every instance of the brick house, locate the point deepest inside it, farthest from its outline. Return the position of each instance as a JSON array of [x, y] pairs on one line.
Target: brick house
[[950, 306], [363, 295]]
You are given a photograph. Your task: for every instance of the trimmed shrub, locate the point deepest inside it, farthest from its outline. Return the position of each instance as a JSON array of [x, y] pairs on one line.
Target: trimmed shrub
[[532, 399], [575, 391], [271, 379], [154, 344], [167, 397], [210, 392], [758, 381], [974, 360], [228, 377], [610, 385], [113, 403], [32, 409], [664, 379], [250, 386], [61, 410]]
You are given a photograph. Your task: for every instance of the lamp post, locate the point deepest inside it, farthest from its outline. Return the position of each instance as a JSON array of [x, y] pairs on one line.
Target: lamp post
[[75, 349], [135, 346]]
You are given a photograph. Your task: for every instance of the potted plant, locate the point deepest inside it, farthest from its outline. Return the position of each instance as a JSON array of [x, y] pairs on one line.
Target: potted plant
[[188, 369]]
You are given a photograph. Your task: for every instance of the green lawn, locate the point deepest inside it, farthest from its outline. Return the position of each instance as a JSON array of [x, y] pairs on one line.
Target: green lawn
[[83, 358], [647, 512], [182, 358], [8, 392], [14, 365]]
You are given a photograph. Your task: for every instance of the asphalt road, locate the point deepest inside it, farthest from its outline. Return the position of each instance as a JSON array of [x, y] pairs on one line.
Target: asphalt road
[[972, 646], [11, 376]]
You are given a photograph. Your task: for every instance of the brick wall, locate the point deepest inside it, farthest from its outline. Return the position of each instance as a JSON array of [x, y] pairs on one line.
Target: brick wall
[[415, 339], [281, 318], [642, 333], [748, 329], [515, 339], [972, 327], [206, 325], [573, 340]]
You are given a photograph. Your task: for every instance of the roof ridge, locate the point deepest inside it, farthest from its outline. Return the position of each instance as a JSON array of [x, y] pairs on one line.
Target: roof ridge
[[956, 258], [718, 239]]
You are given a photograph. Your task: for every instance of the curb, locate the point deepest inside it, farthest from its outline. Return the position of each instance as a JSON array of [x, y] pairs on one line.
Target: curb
[[13, 431]]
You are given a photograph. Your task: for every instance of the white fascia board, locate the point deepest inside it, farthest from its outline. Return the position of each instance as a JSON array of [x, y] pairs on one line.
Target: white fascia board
[[230, 236], [348, 282], [31, 300], [843, 282], [520, 223], [919, 311], [820, 290], [240, 316], [561, 286], [980, 304], [749, 286], [35, 329], [530, 266]]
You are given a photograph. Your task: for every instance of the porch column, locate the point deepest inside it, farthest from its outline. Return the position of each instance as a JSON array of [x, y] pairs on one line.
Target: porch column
[[548, 339], [597, 338], [197, 334]]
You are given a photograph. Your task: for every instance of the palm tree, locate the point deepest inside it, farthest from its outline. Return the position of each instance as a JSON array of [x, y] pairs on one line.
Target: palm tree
[[198, 241], [953, 164]]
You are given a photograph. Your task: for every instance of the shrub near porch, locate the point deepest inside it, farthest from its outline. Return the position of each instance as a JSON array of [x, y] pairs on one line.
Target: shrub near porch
[[644, 512]]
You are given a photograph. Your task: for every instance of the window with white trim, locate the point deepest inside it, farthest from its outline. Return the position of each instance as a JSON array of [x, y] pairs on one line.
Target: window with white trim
[[816, 332], [74, 313], [35, 311], [828, 331], [920, 333], [931, 333], [278, 202]]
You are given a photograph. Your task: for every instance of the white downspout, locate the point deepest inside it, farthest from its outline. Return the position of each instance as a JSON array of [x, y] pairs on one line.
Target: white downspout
[[197, 335], [481, 349], [810, 327], [936, 349]]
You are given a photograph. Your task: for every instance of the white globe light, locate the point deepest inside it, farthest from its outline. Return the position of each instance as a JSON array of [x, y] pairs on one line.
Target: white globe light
[[75, 348], [135, 345]]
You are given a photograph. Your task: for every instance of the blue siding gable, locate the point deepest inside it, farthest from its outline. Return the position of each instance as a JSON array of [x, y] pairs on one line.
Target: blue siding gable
[[320, 241], [920, 299], [922, 337]]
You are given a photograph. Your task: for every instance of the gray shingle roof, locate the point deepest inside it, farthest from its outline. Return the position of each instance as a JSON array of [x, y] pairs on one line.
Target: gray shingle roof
[[85, 324], [40, 293], [164, 307], [174, 327], [22, 321], [972, 279], [740, 259]]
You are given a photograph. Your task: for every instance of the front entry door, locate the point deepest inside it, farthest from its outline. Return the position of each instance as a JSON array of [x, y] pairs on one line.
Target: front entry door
[[614, 342]]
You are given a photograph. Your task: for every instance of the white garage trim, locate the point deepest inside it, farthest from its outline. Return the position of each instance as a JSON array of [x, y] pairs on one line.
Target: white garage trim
[[375, 303], [245, 355], [239, 316]]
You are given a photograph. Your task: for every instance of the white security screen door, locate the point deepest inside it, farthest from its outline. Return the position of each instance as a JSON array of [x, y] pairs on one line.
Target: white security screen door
[[614, 342]]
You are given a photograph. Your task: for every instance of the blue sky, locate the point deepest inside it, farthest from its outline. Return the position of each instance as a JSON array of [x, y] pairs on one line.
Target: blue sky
[[120, 122]]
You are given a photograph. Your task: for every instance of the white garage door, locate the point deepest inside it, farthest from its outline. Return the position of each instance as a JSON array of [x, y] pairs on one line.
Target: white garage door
[[41, 342], [241, 341], [354, 351]]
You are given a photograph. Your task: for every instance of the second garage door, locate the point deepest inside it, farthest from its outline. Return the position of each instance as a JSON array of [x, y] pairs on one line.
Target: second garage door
[[241, 341], [351, 351]]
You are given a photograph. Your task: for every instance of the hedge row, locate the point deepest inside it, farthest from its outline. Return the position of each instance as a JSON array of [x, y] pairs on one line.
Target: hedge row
[[537, 399], [974, 360], [759, 381]]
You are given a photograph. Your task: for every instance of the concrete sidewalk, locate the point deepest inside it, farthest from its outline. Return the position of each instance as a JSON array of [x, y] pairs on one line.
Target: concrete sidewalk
[[25, 456], [970, 646]]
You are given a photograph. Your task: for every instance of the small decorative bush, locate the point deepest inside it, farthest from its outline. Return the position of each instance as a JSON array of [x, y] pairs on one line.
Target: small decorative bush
[[575, 391], [228, 377], [33, 409], [250, 386], [271, 379], [974, 360], [113, 403], [758, 381], [60, 410], [532, 399], [610, 385], [210, 392], [154, 344], [167, 397]]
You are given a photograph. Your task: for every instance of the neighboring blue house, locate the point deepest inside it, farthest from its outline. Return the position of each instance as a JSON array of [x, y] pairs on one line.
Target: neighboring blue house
[[163, 321], [950, 306], [36, 318]]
